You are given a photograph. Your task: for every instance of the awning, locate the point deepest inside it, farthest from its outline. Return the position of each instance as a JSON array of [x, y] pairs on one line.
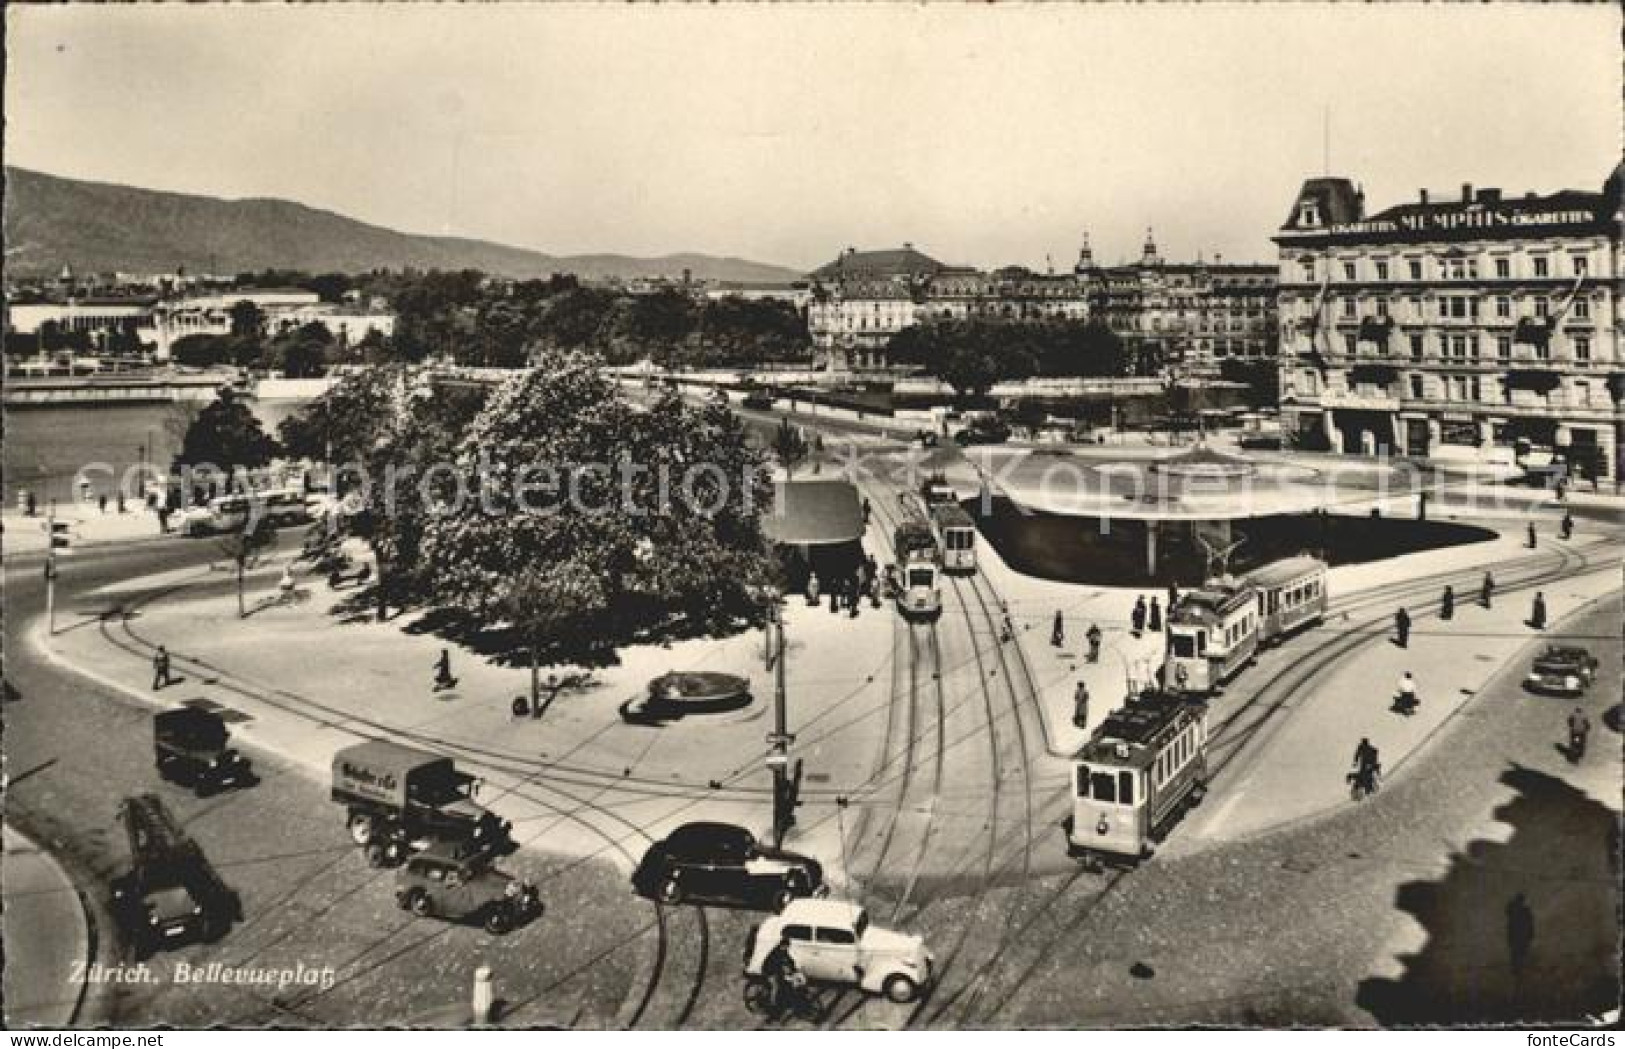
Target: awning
[[814, 513]]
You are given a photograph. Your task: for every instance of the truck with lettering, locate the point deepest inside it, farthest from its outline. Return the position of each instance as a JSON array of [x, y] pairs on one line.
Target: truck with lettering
[[399, 800]]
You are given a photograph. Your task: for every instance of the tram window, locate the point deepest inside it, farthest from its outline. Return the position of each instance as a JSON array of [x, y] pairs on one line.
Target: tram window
[[1103, 787], [1184, 646], [1125, 781], [1201, 642]]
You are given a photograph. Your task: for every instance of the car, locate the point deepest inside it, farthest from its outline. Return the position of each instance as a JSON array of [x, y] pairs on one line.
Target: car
[[984, 431], [1263, 442], [834, 943], [448, 882], [190, 748], [758, 400], [194, 521], [722, 863], [1562, 670]]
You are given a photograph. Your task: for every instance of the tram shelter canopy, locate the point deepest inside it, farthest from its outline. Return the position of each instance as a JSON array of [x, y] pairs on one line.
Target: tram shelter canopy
[[815, 512]]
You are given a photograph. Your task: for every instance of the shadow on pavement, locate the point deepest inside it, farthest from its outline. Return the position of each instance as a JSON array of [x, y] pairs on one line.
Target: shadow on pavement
[[1524, 930]]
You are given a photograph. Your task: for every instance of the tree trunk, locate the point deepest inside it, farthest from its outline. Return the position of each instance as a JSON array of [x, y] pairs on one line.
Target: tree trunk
[[535, 684], [383, 599], [242, 608]]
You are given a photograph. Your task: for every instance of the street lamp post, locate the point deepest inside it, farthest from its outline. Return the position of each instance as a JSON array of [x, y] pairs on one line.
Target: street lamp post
[[786, 785]]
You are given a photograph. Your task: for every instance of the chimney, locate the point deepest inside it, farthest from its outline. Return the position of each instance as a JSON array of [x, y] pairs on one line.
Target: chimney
[[1218, 259], [908, 245], [1466, 192], [1423, 194], [1489, 196]]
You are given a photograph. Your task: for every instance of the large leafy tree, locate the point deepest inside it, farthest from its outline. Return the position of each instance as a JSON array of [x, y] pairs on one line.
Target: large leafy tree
[[226, 435], [970, 355], [596, 524]]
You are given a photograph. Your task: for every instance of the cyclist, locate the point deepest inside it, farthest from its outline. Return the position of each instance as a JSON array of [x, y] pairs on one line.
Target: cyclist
[[1407, 692], [784, 977]]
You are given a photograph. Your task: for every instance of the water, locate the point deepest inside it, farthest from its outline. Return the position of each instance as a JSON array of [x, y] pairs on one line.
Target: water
[[46, 447]]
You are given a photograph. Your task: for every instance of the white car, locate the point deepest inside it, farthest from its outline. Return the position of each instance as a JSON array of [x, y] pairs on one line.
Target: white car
[[833, 942]]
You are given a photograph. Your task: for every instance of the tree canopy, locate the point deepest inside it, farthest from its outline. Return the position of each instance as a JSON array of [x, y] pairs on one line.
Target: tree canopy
[[226, 435]]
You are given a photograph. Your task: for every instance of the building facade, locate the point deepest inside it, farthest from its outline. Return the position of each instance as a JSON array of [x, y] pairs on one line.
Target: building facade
[[863, 298], [1459, 328], [1190, 316]]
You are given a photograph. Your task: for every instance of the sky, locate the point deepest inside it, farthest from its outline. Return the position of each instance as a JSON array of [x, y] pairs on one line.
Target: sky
[[985, 134]]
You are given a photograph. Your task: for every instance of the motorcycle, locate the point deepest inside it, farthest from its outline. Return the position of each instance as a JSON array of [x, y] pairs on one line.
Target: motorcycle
[[1577, 745], [1405, 703], [800, 1001]]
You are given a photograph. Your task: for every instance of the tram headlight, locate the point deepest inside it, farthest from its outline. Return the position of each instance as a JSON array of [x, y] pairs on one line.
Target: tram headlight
[[1101, 826]]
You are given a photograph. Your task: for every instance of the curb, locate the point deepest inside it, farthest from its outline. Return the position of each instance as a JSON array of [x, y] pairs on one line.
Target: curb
[[87, 938]]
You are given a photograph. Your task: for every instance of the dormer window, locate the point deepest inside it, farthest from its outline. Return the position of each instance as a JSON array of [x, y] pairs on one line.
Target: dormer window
[[1308, 213]]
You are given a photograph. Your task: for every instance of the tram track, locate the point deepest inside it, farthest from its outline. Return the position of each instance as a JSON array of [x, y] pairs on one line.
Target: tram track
[[571, 810]]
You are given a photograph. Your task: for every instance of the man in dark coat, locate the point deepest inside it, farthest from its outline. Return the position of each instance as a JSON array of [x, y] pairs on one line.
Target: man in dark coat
[[1531, 535], [160, 669], [1093, 638], [1402, 628], [1447, 603], [1057, 634], [1137, 618], [1486, 592], [1537, 612], [1154, 619]]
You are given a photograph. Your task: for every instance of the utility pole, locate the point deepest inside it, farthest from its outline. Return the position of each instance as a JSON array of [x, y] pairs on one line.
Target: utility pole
[[50, 568], [786, 786]]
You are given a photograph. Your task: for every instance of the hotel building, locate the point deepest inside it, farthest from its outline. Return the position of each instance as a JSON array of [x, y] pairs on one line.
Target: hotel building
[[1191, 316], [1455, 328]]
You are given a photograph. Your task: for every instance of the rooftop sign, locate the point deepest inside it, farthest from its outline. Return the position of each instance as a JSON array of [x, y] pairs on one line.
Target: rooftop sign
[[1477, 218]]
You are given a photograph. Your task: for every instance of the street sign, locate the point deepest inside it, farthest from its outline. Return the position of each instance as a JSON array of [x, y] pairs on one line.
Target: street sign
[[60, 539]]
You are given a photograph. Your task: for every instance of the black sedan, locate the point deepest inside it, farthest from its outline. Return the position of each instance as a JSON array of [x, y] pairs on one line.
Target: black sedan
[[983, 431], [722, 863], [1562, 671]]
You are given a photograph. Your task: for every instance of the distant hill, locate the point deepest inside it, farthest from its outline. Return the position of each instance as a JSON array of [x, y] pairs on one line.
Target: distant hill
[[100, 227]]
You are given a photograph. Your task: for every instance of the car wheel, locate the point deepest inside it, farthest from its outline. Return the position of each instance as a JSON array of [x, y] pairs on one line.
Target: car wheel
[[901, 989], [671, 891], [361, 828], [418, 902], [498, 922]]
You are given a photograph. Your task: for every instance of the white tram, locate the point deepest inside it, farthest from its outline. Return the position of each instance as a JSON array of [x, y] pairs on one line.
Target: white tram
[[1141, 769], [918, 588], [1216, 630], [956, 537]]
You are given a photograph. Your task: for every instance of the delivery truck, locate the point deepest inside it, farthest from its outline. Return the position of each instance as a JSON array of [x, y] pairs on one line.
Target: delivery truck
[[399, 800]]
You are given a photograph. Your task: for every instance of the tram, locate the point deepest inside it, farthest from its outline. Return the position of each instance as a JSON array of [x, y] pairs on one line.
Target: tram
[[1217, 629], [956, 537], [918, 588], [1143, 767]]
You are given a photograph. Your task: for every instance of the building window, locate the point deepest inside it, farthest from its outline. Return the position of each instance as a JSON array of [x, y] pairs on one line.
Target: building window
[[1382, 308], [1579, 265], [1503, 305], [1416, 347], [1346, 307], [1351, 344], [1582, 393], [1308, 271], [1503, 268], [1348, 271], [1415, 268], [1308, 214], [1582, 349], [1582, 309], [1503, 348], [1542, 306], [1477, 388], [1382, 269], [1417, 389], [1542, 266]]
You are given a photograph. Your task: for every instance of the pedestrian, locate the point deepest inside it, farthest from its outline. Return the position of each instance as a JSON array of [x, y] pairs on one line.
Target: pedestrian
[[1173, 597], [1093, 637], [874, 591], [121, 502], [442, 671], [1486, 591], [812, 588], [1568, 525], [1402, 628], [1154, 619], [1137, 617], [33, 503], [1447, 603], [1080, 706], [1407, 701], [854, 595], [160, 669], [866, 511], [101, 502], [1520, 933], [1537, 611], [285, 584], [163, 519], [1057, 634], [1007, 629], [1531, 535]]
